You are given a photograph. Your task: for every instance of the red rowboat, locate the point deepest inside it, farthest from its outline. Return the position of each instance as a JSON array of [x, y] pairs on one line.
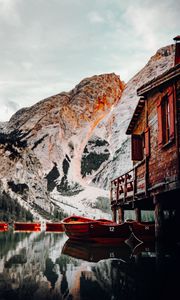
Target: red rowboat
[[3, 226], [54, 227], [143, 231], [23, 226], [101, 231]]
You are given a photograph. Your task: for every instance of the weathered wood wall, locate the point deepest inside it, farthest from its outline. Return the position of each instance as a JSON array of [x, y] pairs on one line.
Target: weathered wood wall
[[163, 163], [178, 120], [163, 160]]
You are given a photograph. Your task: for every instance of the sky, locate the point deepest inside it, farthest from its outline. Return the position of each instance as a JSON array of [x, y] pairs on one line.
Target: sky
[[49, 46]]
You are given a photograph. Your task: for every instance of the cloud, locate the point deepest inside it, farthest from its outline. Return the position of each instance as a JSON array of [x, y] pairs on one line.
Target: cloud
[[95, 17], [8, 11], [49, 46], [148, 21], [8, 108], [12, 105]]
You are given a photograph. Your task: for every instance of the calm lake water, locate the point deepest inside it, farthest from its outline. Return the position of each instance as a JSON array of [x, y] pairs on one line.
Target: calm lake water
[[49, 266]]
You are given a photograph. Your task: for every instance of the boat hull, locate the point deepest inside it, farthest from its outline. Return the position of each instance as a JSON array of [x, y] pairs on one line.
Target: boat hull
[[101, 231], [20, 226], [144, 231], [54, 227], [4, 226]]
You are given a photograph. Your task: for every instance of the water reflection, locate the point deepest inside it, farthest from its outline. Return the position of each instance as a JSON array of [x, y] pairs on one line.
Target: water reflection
[[42, 265], [94, 252]]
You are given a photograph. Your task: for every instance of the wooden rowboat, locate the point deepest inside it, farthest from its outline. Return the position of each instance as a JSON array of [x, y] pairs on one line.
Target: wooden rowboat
[[143, 231], [101, 231], [54, 227], [23, 226], [3, 226]]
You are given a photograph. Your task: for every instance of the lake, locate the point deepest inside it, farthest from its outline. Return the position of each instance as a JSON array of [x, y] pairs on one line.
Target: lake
[[41, 265]]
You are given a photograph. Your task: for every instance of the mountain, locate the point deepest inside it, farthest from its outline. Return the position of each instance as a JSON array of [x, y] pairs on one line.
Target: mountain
[[58, 156], [45, 148]]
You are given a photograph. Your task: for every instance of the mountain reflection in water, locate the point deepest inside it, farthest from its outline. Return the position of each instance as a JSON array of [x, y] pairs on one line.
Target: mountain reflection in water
[[48, 266]]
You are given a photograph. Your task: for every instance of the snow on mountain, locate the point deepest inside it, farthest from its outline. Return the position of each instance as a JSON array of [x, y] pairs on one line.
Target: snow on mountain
[[61, 153]]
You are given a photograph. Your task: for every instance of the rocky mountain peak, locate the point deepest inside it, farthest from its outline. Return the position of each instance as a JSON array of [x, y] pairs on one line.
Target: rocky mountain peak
[[43, 145], [85, 102], [162, 53]]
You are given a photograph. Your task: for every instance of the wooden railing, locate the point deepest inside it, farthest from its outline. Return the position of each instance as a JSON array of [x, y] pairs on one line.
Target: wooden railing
[[122, 187], [126, 187]]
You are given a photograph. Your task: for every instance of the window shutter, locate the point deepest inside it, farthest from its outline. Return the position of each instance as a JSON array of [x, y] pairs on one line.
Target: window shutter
[[160, 129], [171, 113], [137, 150], [147, 141]]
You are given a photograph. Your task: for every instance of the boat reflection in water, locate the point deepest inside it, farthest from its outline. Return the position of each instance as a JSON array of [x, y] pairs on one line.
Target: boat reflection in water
[[42, 265], [94, 252]]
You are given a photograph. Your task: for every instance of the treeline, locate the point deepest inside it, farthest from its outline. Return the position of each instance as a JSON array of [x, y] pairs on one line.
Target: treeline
[[11, 210]]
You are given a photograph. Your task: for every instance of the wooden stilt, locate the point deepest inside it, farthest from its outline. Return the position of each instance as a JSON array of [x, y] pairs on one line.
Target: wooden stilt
[[158, 214], [138, 214], [120, 215], [114, 214]]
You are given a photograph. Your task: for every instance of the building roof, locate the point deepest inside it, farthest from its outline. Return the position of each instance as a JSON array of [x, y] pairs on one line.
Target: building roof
[[177, 38], [149, 86], [135, 116], [164, 77]]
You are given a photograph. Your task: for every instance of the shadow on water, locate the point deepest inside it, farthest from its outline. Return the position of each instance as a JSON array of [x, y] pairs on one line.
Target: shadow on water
[[47, 266]]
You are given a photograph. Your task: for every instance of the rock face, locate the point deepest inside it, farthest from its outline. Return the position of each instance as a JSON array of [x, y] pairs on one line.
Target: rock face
[[63, 151], [42, 146]]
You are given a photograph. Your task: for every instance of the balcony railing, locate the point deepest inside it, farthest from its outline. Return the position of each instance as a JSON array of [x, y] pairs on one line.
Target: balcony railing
[[122, 187], [126, 187]]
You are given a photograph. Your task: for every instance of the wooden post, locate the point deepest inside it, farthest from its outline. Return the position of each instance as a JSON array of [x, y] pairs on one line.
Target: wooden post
[[117, 191], [177, 137], [147, 148], [111, 193], [134, 183], [114, 214], [158, 214], [125, 187], [138, 214], [120, 215]]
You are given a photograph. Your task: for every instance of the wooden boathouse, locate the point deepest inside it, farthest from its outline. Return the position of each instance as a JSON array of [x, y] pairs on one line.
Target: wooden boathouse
[[154, 181]]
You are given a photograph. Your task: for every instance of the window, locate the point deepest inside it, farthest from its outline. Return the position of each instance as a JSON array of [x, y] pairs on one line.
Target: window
[[166, 118], [141, 145], [137, 147]]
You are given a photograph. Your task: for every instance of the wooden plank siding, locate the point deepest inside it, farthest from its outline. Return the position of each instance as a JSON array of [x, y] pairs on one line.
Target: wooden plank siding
[[177, 86], [159, 170], [163, 159]]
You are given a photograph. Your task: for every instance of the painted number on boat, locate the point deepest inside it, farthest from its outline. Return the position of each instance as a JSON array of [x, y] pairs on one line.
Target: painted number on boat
[[111, 228], [111, 255]]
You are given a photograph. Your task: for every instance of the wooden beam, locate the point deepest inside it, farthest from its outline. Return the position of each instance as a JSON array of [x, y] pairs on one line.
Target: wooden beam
[[120, 215]]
